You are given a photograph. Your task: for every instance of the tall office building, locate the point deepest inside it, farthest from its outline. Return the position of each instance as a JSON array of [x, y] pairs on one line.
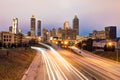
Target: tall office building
[[69, 34], [59, 33], [15, 26], [7, 38], [97, 34], [33, 20], [10, 28], [110, 32], [53, 32], [39, 28], [66, 25], [76, 24], [45, 35]]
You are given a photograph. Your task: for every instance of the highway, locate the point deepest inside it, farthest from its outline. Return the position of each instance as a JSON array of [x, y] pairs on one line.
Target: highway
[[108, 69], [56, 67], [62, 64]]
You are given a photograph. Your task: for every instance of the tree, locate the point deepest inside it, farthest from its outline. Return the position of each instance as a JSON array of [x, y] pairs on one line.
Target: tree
[[0, 43], [87, 44], [109, 48], [32, 42], [79, 45], [105, 48]]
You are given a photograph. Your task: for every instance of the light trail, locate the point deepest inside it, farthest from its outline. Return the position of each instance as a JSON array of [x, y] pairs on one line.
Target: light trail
[[57, 67], [102, 65], [67, 65]]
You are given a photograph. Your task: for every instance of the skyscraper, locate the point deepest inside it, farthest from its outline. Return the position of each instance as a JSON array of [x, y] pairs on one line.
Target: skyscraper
[[69, 34], [76, 24], [39, 28], [15, 26], [66, 25], [45, 34], [59, 33], [110, 32], [33, 20], [53, 32], [10, 28]]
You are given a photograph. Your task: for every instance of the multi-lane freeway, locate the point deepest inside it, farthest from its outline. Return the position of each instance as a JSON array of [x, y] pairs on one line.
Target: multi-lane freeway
[[57, 68], [61, 64], [106, 68]]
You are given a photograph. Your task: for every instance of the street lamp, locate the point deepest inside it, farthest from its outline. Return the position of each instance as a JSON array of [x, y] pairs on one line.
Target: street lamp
[[110, 44], [117, 51], [61, 42], [66, 42], [56, 42]]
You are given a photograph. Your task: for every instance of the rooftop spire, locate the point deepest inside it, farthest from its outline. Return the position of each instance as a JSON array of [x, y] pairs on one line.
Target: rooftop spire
[[33, 16], [76, 17]]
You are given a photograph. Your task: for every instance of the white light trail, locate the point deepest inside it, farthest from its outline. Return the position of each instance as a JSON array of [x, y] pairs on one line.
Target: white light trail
[[54, 71], [53, 59], [105, 66]]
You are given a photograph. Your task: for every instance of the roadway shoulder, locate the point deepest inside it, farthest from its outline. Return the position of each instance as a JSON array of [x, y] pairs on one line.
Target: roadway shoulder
[[31, 72]]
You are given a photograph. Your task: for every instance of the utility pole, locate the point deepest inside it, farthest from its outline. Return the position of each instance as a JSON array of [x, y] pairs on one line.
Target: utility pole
[[117, 53]]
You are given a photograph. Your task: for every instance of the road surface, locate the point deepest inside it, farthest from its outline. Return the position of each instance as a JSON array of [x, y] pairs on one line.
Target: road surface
[[106, 68], [55, 67], [61, 64]]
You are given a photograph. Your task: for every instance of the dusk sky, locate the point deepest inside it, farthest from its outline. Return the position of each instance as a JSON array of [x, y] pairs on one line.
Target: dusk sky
[[92, 14]]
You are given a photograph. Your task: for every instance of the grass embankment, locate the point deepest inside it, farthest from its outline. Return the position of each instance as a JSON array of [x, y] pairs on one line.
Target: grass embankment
[[13, 66], [108, 54]]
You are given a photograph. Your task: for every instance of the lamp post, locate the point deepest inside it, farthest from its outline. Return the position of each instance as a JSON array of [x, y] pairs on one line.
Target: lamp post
[[117, 51], [66, 44], [110, 44]]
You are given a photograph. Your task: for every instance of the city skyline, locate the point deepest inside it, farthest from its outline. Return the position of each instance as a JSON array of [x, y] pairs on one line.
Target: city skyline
[[90, 13]]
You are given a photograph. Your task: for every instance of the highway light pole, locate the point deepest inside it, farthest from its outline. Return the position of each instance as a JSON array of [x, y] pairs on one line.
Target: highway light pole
[[117, 52]]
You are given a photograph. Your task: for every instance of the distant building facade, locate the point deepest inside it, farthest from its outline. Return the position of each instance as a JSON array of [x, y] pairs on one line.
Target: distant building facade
[[76, 25], [10, 28], [53, 32], [98, 34], [81, 38], [102, 43], [66, 25], [45, 34], [7, 38], [14, 26], [28, 33], [59, 33], [20, 38], [69, 34], [0, 38], [39, 28], [33, 26], [118, 43], [110, 32]]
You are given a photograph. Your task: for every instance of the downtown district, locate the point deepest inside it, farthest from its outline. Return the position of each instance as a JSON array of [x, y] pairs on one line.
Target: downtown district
[[68, 36]]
